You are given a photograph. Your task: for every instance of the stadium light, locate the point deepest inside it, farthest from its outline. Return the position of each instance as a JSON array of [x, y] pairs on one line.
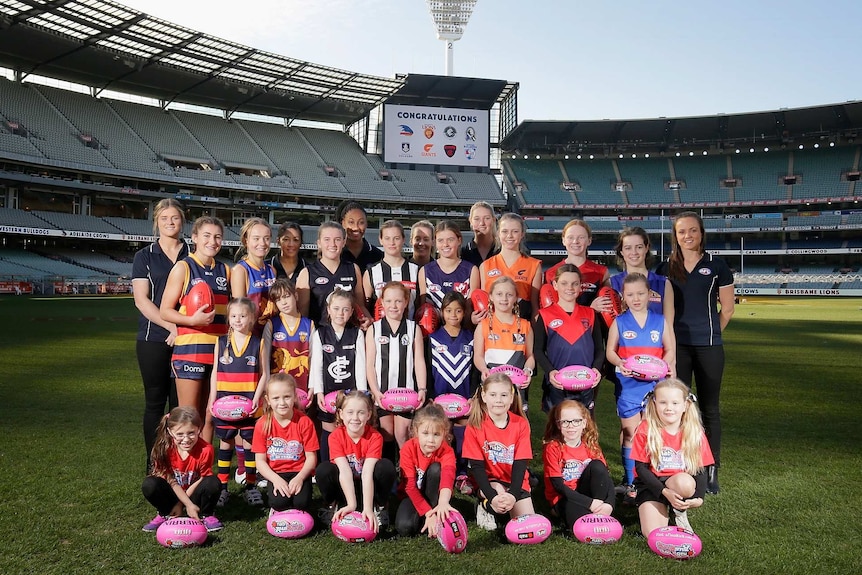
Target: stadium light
[[450, 18]]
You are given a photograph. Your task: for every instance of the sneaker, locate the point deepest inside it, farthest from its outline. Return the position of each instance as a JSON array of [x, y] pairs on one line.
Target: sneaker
[[462, 484], [253, 497], [680, 519], [223, 498], [154, 524], [212, 523], [485, 519], [630, 495], [327, 513], [262, 484], [382, 515], [239, 477]]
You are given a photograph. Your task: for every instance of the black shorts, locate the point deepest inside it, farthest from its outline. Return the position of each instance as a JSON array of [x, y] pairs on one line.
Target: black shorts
[[226, 433]]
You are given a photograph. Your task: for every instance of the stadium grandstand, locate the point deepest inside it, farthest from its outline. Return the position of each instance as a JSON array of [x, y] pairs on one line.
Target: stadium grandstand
[[105, 110]]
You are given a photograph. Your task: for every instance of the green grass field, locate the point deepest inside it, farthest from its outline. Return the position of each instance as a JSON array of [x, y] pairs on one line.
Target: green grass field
[[72, 459]]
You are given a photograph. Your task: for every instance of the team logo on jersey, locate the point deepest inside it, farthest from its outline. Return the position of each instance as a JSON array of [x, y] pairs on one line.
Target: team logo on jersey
[[225, 360], [462, 288], [470, 134], [251, 361], [405, 340], [405, 147], [260, 283], [654, 296], [628, 334], [521, 273], [279, 336], [493, 336], [338, 369], [555, 323], [654, 336], [383, 340], [343, 287], [327, 348], [467, 349], [494, 273], [704, 271], [499, 453], [519, 339], [303, 336], [321, 281], [450, 149], [585, 323], [450, 132], [428, 130], [434, 288], [221, 283], [405, 130], [573, 469], [440, 349], [279, 449]]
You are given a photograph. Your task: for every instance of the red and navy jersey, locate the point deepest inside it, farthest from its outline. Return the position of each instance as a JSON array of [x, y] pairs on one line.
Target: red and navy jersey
[[370, 445], [238, 371], [568, 463], [438, 283], [671, 459], [635, 339], [451, 362], [592, 275], [414, 464], [197, 343], [285, 447], [198, 463], [569, 338], [322, 282], [499, 448], [656, 284], [290, 348]]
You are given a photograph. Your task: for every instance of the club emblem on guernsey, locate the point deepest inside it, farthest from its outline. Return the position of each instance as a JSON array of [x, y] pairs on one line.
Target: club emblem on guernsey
[[338, 369]]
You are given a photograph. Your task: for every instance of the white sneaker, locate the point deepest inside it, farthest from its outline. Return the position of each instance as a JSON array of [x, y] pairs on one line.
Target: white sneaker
[[681, 520], [223, 498], [239, 477], [262, 484], [253, 497], [485, 519], [382, 515]]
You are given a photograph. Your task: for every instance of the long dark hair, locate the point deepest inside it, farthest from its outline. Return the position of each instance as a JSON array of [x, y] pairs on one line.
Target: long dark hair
[[676, 264]]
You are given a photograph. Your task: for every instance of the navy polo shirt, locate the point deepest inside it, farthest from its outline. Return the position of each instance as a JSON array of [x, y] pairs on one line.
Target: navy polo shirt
[[153, 265]]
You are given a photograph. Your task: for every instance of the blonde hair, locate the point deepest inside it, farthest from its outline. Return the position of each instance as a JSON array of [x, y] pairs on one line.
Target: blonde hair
[[590, 434], [434, 415], [165, 442], [690, 427], [478, 409], [522, 245], [252, 308], [242, 252], [481, 205], [163, 205], [287, 380]]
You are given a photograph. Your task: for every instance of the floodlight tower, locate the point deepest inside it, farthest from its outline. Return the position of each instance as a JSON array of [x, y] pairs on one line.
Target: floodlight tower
[[450, 18]]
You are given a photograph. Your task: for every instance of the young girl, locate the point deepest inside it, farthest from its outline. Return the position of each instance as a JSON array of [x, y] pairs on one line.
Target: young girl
[[577, 237], [671, 453], [567, 333], [427, 474], [285, 446], [337, 360], [638, 330], [577, 480], [393, 267], [290, 334], [497, 449], [241, 368], [503, 338], [355, 477], [319, 278], [182, 471], [448, 272], [514, 262], [635, 256], [395, 356], [194, 346]]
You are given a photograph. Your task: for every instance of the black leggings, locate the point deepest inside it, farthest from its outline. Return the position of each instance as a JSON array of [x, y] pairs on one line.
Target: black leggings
[[407, 519], [706, 363], [301, 500], [596, 483], [330, 488], [154, 362], [161, 496]]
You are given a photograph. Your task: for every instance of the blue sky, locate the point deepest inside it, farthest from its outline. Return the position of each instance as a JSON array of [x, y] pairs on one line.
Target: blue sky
[[574, 60]]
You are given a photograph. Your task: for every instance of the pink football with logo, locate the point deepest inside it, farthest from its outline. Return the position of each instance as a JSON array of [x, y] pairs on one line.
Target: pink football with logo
[[577, 378], [353, 528], [290, 524], [303, 399], [181, 532], [399, 400], [674, 543], [452, 533], [453, 404], [646, 367], [518, 376], [232, 407], [329, 401], [597, 529], [530, 529]]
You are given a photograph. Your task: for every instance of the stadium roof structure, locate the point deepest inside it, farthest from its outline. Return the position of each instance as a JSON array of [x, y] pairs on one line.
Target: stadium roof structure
[[108, 46], [451, 92], [721, 131]]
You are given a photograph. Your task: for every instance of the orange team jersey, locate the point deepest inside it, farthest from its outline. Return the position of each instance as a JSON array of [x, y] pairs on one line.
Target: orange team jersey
[[522, 271], [560, 460], [414, 464], [199, 463], [369, 445], [505, 343], [285, 447], [670, 460], [499, 448]]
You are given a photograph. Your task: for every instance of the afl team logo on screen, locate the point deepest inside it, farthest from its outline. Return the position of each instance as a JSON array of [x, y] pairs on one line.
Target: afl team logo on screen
[[406, 130], [450, 132], [470, 134], [428, 130], [405, 147], [450, 149], [470, 151]]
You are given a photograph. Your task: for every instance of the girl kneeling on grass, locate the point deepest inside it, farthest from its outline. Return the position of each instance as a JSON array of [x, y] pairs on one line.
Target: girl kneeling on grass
[[285, 446], [182, 471], [671, 454], [577, 480], [497, 449], [427, 473]]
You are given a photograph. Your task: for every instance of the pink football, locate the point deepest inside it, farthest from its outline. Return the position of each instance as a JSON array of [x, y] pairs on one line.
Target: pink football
[[232, 407], [454, 405], [674, 543], [597, 529], [329, 401], [646, 367], [529, 529], [399, 400], [577, 378], [516, 374], [452, 533], [181, 532], [290, 524], [353, 528], [303, 399]]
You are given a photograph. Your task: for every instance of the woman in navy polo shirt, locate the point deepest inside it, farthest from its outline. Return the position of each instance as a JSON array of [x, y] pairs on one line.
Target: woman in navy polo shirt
[[155, 342], [703, 301]]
